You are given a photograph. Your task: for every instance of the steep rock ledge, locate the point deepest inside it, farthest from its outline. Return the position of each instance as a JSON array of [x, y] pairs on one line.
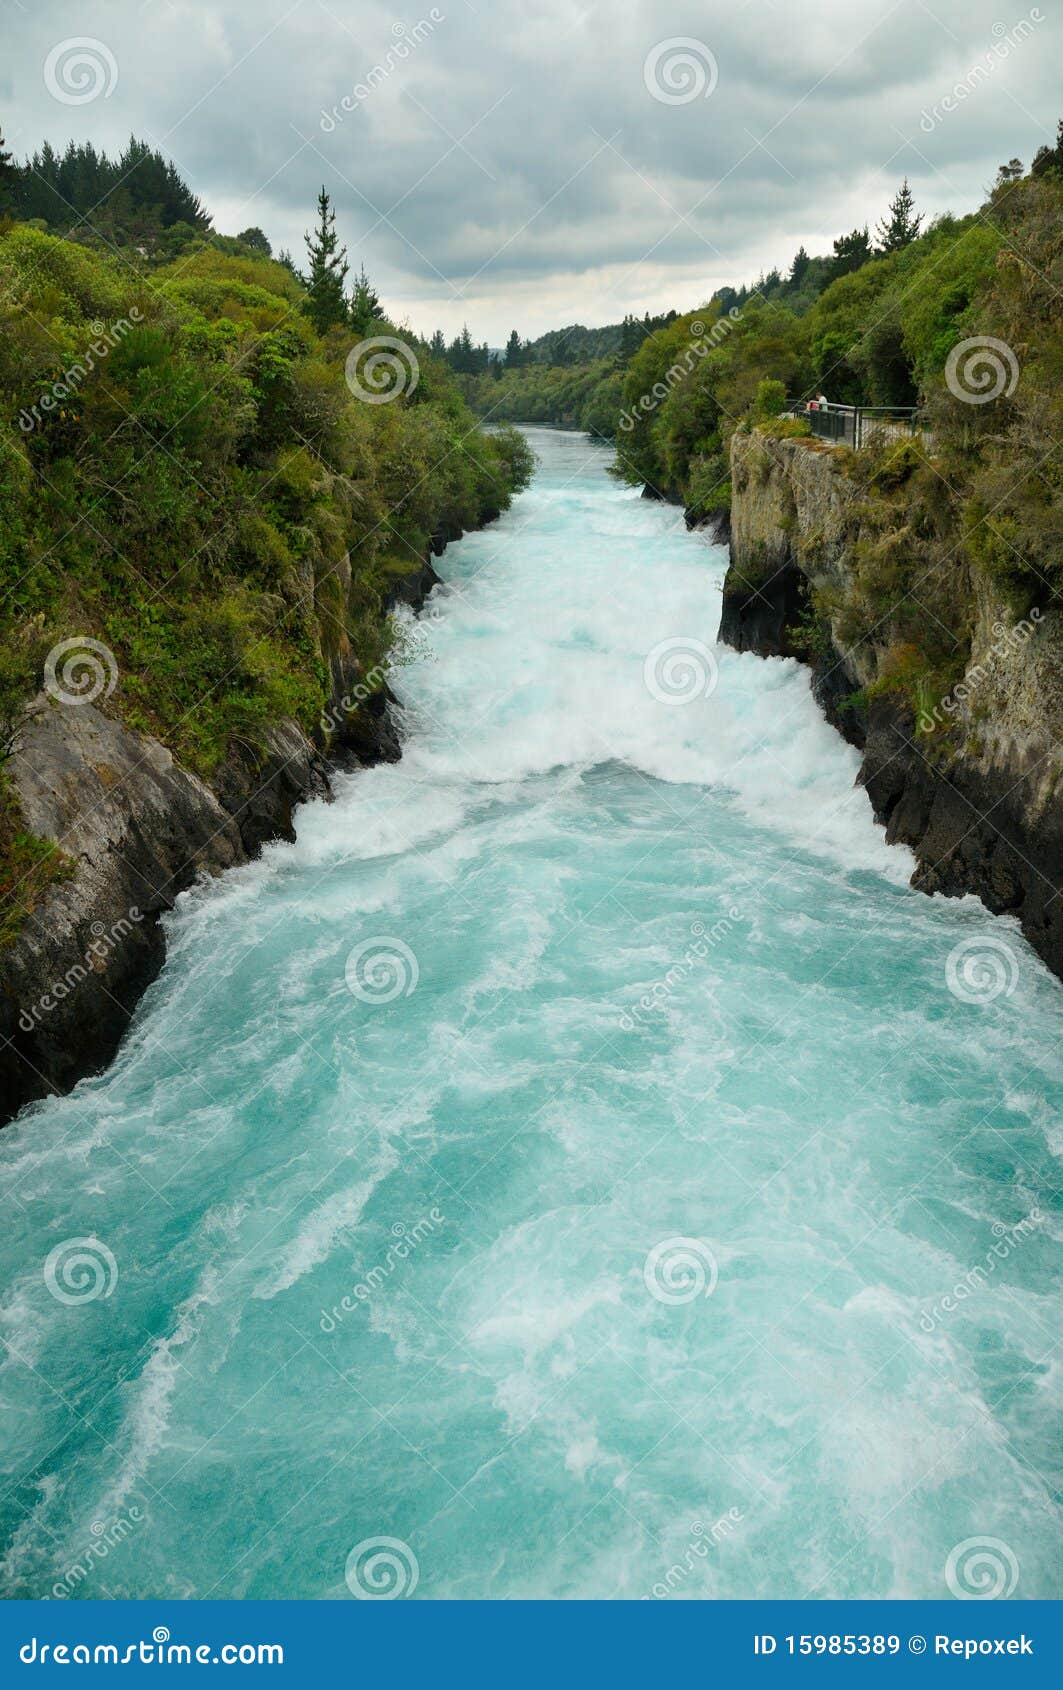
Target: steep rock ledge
[[980, 803], [137, 829]]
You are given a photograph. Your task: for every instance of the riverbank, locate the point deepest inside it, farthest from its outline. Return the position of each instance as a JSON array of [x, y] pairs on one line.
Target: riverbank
[[137, 829], [208, 524], [970, 774]]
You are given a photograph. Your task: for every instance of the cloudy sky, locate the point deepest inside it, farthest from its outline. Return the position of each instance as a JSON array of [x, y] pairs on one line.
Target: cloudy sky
[[533, 163]]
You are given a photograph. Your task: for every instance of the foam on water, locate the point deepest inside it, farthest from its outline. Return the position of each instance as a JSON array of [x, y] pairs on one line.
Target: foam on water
[[382, 1256]]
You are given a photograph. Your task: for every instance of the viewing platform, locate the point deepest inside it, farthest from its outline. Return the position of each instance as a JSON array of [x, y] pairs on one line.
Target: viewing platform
[[858, 425]]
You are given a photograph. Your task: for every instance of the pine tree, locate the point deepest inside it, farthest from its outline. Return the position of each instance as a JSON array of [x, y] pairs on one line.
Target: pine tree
[[326, 302], [365, 306], [902, 225], [462, 355], [799, 266], [9, 178], [630, 337], [514, 353], [437, 346], [850, 252], [1049, 160]]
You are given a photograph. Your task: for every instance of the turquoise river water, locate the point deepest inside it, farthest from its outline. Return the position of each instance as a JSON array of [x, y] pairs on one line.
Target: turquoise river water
[[580, 1160]]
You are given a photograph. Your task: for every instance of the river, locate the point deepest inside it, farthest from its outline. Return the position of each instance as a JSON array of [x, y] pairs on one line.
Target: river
[[580, 1160]]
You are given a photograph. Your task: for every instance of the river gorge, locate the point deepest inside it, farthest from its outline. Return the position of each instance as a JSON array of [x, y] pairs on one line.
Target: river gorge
[[578, 1166]]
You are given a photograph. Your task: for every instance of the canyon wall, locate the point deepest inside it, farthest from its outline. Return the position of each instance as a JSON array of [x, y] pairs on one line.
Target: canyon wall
[[136, 829], [973, 782]]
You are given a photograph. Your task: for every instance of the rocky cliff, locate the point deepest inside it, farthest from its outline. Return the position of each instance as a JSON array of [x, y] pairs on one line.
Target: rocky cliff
[[136, 829], [971, 779]]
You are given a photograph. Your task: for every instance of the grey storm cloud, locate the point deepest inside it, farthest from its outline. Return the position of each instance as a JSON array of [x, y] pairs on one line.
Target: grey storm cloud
[[543, 163]]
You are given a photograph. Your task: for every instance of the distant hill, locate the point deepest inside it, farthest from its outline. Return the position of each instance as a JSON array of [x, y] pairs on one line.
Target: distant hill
[[579, 345]]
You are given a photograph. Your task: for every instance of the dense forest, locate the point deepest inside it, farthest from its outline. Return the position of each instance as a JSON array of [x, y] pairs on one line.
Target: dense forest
[[189, 473]]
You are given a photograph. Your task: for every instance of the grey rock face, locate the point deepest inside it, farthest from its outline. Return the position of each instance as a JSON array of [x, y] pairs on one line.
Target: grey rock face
[[137, 830], [984, 814]]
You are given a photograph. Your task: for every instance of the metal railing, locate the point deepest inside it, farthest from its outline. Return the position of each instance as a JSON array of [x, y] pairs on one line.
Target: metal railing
[[858, 425]]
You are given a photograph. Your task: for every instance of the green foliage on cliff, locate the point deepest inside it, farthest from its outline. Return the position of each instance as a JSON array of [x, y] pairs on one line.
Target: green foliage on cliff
[[866, 328], [187, 476]]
